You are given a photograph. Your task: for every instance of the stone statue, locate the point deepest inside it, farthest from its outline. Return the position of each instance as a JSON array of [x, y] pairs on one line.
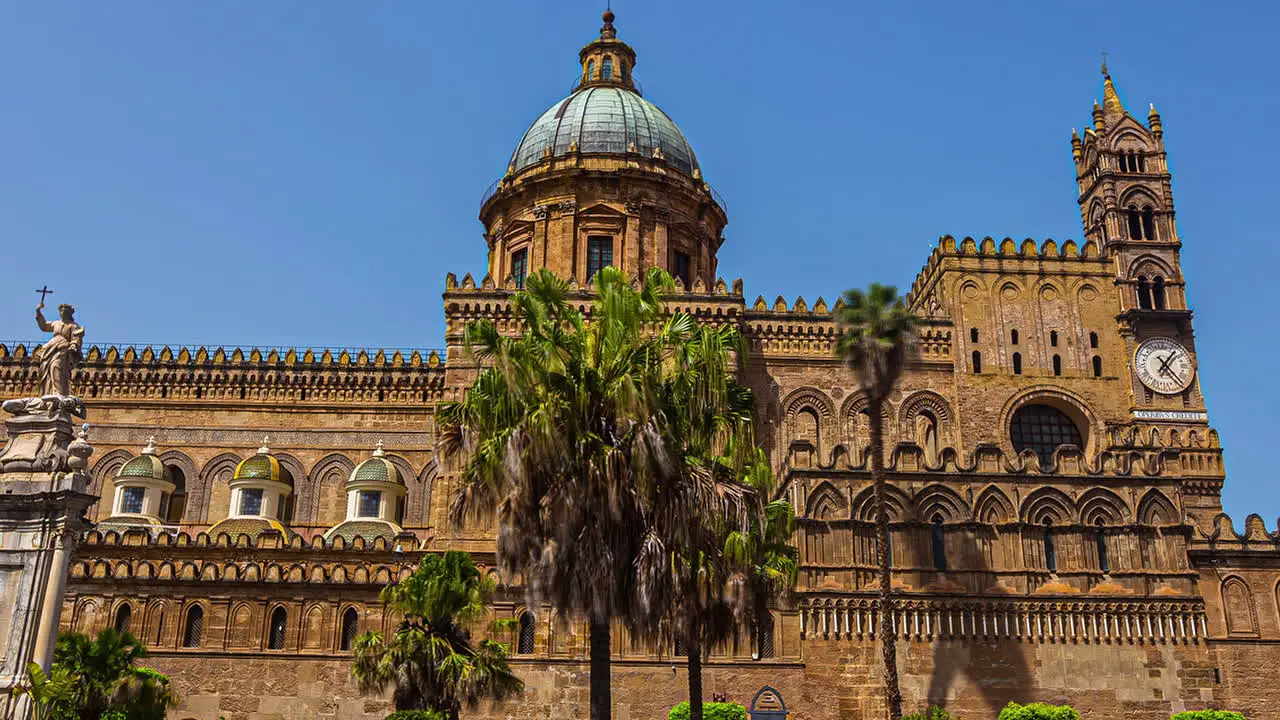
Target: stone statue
[[61, 354]]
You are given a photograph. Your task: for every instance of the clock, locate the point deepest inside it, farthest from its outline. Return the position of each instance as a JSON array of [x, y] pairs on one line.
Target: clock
[[1164, 365]]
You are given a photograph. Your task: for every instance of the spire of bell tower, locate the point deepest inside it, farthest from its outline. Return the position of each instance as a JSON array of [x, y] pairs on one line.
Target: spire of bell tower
[[1112, 108], [607, 61]]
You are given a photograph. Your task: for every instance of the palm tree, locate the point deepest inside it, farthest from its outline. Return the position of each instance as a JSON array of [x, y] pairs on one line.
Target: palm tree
[[53, 694], [708, 420], [146, 693], [102, 663], [430, 659], [877, 339], [764, 551], [564, 433]]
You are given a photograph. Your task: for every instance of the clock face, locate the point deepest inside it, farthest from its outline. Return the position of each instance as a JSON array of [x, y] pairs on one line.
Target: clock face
[[1164, 365]]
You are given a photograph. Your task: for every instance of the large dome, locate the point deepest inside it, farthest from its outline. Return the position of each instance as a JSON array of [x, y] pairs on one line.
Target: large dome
[[604, 120]]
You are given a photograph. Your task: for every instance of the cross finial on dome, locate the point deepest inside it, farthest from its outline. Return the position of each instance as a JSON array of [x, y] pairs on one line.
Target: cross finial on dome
[[266, 446], [150, 449], [377, 449]]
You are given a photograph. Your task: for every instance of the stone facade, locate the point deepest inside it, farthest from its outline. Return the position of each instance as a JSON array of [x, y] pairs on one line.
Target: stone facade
[[1057, 526]]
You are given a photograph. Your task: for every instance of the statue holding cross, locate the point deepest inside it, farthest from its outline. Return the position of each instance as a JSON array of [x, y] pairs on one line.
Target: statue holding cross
[[60, 355]]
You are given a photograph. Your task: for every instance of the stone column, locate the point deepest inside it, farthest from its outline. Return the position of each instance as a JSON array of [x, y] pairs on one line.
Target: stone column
[[43, 498]]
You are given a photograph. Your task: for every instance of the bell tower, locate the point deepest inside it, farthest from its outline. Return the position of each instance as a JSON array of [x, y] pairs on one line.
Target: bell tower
[[1126, 204]]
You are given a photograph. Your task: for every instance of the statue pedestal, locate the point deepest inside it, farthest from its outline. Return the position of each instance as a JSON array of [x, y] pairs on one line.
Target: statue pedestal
[[43, 498]]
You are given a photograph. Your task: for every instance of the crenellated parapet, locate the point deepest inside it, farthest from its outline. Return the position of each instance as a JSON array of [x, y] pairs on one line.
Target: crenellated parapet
[[1005, 256], [1219, 532], [315, 375]]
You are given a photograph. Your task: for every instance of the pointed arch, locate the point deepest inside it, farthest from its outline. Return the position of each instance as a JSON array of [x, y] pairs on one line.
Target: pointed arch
[[1139, 196], [1155, 508], [1048, 504], [417, 512], [101, 482], [994, 507], [322, 498], [1100, 504], [1237, 607], [209, 496], [826, 503], [193, 627], [940, 500], [896, 504]]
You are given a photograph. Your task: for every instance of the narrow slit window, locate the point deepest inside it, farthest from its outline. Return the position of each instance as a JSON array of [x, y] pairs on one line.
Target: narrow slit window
[[1053, 338], [973, 334], [939, 544], [1100, 538], [1013, 337], [1097, 366], [1057, 364], [1017, 363], [1050, 552], [1093, 339], [977, 362]]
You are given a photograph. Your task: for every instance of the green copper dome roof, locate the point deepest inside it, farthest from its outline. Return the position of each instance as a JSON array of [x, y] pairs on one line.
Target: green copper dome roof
[[376, 469], [604, 120], [143, 466]]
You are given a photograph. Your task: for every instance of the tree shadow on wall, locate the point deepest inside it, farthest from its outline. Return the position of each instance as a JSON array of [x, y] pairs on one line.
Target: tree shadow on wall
[[997, 667]]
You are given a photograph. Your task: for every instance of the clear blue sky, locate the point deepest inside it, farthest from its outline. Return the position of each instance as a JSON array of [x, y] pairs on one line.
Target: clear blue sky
[[292, 173]]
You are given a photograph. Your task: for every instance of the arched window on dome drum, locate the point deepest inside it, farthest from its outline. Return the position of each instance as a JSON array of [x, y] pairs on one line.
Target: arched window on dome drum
[[519, 267], [193, 628], [1043, 429], [606, 69], [939, 544], [1144, 293], [123, 616], [279, 622], [1157, 293], [622, 68], [591, 71], [599, 254], [1100, 538], [528, 634], [1050, 552], [350, 628]]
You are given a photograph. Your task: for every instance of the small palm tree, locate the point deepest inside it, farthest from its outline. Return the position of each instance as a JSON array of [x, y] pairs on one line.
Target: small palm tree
[[146, 694], [52, 695], [102, 664], [430, 659], [876, 342]]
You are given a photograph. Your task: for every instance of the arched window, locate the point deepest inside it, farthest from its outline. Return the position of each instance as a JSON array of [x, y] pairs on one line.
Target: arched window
[[1043, 429], [1013, 337], [1135, 223], [622, 68], [178, 501], [528, 634], [1157, 293], [1100, 538], [591, 70], [1148, 223], [1097, 366], [767, 647], [1057, 364], [123, 616], [1053, 338], [193, 628], [939, 545], [1144, 293], [606, 69], [1093, 339], [350, 628], [1017, 363], [977, 362], [927, 435], [279, 621], [1050, 553]]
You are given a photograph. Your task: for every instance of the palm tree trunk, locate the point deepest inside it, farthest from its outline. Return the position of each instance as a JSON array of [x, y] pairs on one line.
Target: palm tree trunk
[[694, 648], [888, 638], [601, 701]]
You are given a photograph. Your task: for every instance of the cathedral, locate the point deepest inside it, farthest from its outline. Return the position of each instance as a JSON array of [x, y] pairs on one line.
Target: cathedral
[[1057, 531]]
